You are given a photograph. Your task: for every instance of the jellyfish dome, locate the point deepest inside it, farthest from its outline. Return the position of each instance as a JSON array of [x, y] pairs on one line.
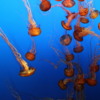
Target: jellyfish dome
[[65, 39]]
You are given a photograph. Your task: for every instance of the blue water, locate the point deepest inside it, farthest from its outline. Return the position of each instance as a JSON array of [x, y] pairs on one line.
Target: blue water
[[44, 82]]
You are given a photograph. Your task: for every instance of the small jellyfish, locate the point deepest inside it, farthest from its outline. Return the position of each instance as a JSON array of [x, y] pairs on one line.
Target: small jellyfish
[[69, 72], [94, 68], [45, 5], [26, 71], [80, 80], [86, 31], [62, 85], [68, 3], [33, 29], [70, 17], [99, 26], [65, 39], [32, 53], [94, 14], [84, 20], [78, 48], [91, 81]]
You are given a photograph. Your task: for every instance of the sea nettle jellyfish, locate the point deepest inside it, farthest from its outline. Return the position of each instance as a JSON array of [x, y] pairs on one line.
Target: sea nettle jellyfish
[[45, 5], [26, 71], [68, 3], [94, 14], [30, 55], [33, 29], [65, 39]]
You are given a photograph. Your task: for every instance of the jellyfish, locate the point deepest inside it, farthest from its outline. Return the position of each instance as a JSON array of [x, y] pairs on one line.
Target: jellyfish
[[83, 11], [45, 5], [86, 31], [99, 26], [94, 14], [84, 20], [68, 3], [26, 71], [78, 48], [69, 71], [91, 81], [65, 39], [33, 29], [70, 17], [31, 55]]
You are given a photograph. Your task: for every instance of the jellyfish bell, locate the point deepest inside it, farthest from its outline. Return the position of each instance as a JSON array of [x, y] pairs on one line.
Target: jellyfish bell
[[94, 14], [62, 85], [45, 5], [80, 0], [69, 72], [65, 39], [84, 20], [94, 68], [76, 36], [78, 49], [99, 26], [30, 56], [69, 57], [28, 72], [91, 81], [68, 3], [83, 11], [34, 31], [65, 26]]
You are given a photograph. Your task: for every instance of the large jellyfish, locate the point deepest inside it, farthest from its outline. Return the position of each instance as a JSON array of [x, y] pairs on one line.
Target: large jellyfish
[[26, 71], [33, 30]]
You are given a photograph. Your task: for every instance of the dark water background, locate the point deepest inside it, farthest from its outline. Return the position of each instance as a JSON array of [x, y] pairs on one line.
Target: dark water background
[[43, 84]]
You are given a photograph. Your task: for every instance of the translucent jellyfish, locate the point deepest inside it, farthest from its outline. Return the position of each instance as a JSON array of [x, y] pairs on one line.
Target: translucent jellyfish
[[78, 48], [70, 17], [86, 31], [68, 3], [65, 39], [45, 5], [94, 14], [26, 71], [83, 9], [33, 29], [32, 53]]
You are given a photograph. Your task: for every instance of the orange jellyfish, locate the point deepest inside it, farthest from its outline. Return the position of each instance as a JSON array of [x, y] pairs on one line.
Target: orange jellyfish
[[68, 3], [69, 71], [45, 5], [86, 31], [78, 48], [65, 39], [91, 81], [33, 29], [83, 11], [94, 14], [32, 53], [26, 71], [70, 17], [84, 20], [99, 26]]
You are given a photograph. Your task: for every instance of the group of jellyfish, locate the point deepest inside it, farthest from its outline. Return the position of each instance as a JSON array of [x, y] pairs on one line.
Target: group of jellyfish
[[73, 71]]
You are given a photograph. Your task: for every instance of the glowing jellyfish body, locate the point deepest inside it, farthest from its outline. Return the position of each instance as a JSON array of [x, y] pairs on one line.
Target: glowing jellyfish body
[[83, 11], [94, 14], [26, 71], [65, 39], [62, 85], [45, 5], [68, 3], [33, 30], [69, 72]]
